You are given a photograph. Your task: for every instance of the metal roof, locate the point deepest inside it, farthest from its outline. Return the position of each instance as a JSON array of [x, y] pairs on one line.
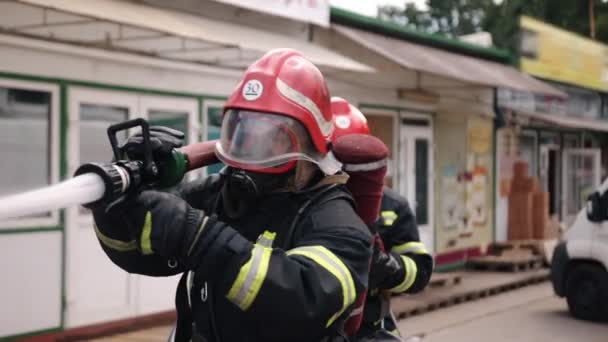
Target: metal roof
[[447, 64], [389, 29], [568, 121], [143, 29]]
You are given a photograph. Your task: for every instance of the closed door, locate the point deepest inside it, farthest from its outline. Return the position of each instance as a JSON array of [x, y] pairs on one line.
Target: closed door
[[549, 168], [416, 182], [581, 176], [97, 290], [155, 294]]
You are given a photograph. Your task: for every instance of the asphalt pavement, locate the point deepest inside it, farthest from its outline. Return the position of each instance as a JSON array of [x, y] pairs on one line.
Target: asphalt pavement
[[530, 314]]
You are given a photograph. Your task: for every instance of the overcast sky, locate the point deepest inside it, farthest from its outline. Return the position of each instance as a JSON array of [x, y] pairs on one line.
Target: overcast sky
[[369, 7]]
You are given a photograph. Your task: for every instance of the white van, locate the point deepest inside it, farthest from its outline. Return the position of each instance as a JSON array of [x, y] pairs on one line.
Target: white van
[[579, 267]]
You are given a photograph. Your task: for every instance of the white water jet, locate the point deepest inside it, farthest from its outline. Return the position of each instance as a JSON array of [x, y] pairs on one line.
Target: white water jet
[[81, 189]]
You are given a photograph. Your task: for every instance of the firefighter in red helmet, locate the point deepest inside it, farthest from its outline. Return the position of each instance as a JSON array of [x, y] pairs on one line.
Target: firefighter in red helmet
[[400, 263], [270, 249]]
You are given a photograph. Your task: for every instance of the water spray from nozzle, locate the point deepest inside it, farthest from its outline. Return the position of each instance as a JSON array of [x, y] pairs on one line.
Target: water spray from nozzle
[[111, 183]]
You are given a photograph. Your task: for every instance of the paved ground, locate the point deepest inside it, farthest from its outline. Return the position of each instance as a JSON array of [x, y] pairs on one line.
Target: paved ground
[[159, 334], [473, 284], [530, 314]]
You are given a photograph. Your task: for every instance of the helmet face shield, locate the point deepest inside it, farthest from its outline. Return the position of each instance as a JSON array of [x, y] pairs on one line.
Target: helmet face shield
[[263, 142]]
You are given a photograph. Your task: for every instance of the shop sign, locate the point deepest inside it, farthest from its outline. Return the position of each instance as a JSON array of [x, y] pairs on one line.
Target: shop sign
[[311, 11], [581, 102], [559, 55], [530, 103]]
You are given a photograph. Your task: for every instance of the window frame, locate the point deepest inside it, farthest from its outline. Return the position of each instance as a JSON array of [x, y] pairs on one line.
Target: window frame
[[530, 134], [53, 151], [393, 169], [206, 105], [528, 43]]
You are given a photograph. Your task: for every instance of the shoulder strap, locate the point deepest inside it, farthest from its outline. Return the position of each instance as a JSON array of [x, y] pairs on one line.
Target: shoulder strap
[[317, 199]]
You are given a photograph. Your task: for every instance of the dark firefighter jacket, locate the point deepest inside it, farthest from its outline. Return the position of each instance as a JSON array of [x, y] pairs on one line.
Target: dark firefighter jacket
[[260, 279], [399, 233]]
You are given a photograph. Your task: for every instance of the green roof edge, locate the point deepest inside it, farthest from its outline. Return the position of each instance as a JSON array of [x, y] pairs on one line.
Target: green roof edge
[[355, 20]]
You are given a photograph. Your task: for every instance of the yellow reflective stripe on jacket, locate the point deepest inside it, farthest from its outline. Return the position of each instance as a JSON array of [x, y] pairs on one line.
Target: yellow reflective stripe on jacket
[[329, 261], [252, 274], [388, 217], [415, 247], [146, 244], [117, 245], [410, 275]]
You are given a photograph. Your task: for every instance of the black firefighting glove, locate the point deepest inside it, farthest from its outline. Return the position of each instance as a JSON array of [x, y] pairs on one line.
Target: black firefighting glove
[[164, 224], [383, 267], [162, 141]]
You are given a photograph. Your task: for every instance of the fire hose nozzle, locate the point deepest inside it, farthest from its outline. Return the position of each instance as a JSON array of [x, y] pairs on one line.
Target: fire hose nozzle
[[118, 179], [126, 176]]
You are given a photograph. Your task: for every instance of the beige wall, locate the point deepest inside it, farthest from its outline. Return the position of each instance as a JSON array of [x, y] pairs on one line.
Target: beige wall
[[463, 175], [463, 181], [382, 126]]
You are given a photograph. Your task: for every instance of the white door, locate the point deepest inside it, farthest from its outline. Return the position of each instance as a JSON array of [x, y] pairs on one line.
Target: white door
[[97, 290], [580, 177], [158, 294], [416, 183]]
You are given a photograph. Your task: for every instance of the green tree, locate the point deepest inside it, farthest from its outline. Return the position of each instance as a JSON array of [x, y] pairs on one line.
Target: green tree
[[502, 20], [452, 18], [458, 17]]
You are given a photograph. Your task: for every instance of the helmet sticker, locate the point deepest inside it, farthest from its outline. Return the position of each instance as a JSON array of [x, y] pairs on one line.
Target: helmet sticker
[[343, 122], [252, 90]]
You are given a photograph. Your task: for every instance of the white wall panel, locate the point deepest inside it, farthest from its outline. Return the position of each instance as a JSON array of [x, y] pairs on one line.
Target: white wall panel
[[156, 294], [30, 289]]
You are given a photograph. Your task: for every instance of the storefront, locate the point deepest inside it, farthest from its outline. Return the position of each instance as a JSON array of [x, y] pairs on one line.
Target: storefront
[[67, 71], [565, 152], [440, 128], [562, 140]]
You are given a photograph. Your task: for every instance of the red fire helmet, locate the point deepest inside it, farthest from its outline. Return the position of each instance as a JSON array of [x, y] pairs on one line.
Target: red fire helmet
[[279, 113], [347, 119]]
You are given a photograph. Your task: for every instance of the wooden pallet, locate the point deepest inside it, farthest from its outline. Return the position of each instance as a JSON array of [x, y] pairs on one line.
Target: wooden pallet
[[444, 279], [509, 263], [531, 246], [472, 289], [543, 247]]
